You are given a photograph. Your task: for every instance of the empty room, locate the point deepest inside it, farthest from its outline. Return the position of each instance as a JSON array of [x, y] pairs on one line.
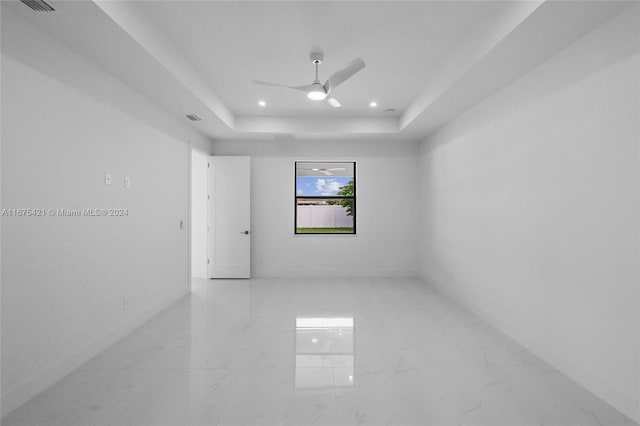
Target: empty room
[[320, 213]]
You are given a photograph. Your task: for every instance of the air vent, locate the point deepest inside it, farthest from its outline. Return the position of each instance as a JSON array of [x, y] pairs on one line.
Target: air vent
[[38, 5], [193, 117]]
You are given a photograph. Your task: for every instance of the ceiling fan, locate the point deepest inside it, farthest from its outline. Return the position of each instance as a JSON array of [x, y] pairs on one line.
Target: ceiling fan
[[317, 91], [328, 171]]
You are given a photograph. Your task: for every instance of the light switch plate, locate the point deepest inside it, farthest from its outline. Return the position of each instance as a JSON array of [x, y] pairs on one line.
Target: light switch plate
[[107, 178], [127, 182]]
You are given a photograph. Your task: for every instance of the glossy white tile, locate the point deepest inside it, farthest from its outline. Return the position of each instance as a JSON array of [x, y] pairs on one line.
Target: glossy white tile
[[316, 352], [277, 396]]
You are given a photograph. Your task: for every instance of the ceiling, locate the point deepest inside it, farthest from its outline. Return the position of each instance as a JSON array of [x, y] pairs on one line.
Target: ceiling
[[426, 61], [402, 44]]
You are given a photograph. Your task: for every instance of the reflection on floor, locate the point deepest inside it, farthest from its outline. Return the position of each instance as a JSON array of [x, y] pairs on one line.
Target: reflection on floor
[[316, 352], [324, 342]]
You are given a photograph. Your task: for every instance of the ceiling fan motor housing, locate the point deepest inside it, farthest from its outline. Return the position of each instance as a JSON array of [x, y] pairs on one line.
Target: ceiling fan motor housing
[[316, 57]]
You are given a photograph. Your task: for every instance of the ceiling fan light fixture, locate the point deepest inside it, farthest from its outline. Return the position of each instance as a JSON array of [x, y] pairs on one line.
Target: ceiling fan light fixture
[[317, 93]]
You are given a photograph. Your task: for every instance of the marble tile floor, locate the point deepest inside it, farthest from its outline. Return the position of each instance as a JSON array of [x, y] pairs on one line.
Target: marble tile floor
[[316, 352]]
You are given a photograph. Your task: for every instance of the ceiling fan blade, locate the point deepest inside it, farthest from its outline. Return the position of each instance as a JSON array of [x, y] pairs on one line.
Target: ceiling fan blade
[[333, 102], [266, 83], [340, 76], [335, 169]]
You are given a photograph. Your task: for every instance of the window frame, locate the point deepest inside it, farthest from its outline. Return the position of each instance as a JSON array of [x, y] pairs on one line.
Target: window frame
[[323, 197]]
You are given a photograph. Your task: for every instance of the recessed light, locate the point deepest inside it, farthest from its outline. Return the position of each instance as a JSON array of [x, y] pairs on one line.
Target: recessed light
[[373, 104], [262, 103]]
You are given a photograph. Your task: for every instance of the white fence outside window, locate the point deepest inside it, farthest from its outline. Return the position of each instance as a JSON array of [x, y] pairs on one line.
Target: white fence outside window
[[329, 216]]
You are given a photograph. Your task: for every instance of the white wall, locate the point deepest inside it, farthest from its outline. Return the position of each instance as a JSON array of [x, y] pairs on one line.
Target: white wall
[[386, 241], [64, 124], [529, 211], [198, 214]]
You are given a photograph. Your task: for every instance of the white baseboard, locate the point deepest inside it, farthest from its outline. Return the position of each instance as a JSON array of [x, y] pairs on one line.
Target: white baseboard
[[40, 381], [331, 273], [610, 393]]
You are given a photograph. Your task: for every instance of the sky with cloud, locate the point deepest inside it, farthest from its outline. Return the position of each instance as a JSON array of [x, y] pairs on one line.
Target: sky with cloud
[[320, 186]]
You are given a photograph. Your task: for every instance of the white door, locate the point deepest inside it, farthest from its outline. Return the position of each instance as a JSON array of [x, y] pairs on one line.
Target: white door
[[229, 217]]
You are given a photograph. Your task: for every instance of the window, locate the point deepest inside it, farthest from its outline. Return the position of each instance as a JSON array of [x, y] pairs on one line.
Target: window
[[325, 197]]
